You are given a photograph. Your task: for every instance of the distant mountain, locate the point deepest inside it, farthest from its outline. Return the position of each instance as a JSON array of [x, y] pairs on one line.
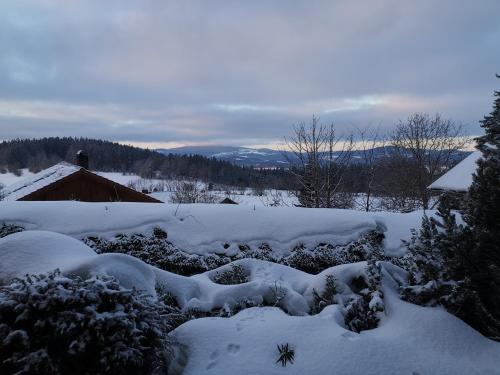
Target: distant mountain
[[243, 156], [265, 157]]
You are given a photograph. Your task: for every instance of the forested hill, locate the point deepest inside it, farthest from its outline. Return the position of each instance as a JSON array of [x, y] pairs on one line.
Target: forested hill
[[37, 154]]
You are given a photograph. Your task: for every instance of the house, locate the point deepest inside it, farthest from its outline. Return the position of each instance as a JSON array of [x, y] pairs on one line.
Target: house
[[66, 181], [227, 200]]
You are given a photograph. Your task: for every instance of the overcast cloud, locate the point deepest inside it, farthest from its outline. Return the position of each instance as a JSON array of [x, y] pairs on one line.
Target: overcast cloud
[[240, 72]]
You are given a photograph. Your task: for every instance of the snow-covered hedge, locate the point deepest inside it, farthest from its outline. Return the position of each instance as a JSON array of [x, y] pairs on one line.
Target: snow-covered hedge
[[156, 250], [53, 324]]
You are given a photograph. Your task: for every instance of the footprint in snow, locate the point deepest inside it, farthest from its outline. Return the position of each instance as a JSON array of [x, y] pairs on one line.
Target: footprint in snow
[[233, 349], [211, 365], [214, 354]]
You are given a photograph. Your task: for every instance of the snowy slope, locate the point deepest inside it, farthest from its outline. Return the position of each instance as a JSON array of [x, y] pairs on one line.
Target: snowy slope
[[200, 228]]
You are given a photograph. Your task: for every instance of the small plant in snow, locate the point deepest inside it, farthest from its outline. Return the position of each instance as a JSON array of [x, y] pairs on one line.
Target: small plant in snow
[[278, 294], [235, 275], [363, 312], [327, 297], [286, 354]]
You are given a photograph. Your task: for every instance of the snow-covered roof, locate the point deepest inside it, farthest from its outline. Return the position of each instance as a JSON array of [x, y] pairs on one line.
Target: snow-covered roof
[[39, 180], [458, 178]]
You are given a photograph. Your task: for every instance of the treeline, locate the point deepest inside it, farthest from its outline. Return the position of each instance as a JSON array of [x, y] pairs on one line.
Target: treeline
[[38, 154]]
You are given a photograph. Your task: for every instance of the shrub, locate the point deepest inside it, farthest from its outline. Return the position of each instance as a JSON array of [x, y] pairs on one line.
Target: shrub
[[363, 311], [235, 275], [157, 251], [326, 255], [57, 325], [327, 297]]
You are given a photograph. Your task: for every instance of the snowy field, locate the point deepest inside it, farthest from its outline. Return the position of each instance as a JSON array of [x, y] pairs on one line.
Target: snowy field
[[409, 339]]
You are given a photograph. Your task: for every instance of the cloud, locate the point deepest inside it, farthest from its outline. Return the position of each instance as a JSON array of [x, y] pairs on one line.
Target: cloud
[[239, 71]]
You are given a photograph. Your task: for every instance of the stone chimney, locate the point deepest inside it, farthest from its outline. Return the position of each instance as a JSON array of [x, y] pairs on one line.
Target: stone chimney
[[82, 159]]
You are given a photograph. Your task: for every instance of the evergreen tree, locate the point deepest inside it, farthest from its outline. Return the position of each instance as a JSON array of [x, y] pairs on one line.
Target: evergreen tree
[[458, 266], [482, 215]]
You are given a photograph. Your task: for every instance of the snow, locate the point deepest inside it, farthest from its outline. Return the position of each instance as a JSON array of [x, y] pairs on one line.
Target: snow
[[126, 179], [458, 178], [31, 183], [34, 252], [10, 178], [205, 228], [265, 279], [409, 340], [38, 252]]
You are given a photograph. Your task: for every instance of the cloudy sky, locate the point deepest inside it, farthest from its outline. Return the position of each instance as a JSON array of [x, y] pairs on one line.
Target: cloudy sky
[[240, 72]]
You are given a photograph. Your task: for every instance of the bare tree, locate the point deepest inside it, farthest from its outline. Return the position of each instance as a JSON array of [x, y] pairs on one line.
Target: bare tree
[[429, 144], [191, 192], [368, 141], [320, 160]]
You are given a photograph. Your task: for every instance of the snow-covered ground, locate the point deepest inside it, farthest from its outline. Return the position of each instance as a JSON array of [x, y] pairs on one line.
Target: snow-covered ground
[[409, 339], [219, 228], [245, 197]]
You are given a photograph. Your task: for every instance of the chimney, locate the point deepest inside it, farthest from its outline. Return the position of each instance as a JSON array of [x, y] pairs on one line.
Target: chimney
[[82, 159]]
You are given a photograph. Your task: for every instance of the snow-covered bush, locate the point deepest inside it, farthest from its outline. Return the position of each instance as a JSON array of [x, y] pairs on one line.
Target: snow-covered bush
[[363, 312], [155, 249], [326, 255], [7, 229], [235, 275], [53, 324], [326, 297]]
